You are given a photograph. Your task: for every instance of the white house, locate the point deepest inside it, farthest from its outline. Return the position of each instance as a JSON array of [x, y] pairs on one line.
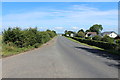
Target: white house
[[67, 35], [71, 35], [91, 34], [111, 34]]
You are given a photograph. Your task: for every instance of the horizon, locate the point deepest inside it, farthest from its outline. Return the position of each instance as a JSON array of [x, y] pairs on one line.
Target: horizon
[[60, 16]]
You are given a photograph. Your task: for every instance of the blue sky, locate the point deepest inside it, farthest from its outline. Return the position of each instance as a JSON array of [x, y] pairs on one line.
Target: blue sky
[[60, 16], [60, 0]]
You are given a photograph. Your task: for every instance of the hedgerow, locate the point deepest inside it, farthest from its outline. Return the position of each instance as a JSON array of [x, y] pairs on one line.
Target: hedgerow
[[28, 37], [104, 45]]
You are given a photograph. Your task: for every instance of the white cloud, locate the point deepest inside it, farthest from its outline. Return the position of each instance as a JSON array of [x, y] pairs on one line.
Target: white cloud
[[59, 28], [83, 8], [75, 15], [75, 28]]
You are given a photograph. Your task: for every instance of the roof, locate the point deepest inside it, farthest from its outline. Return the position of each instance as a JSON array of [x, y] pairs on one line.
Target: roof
[[118, 37], [109, 32], [93, 33]]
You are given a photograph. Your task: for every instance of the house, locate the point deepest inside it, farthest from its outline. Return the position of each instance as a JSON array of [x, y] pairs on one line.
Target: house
[[67, 35], [118, 37], [111, 34], [90, 34], [71, 35]]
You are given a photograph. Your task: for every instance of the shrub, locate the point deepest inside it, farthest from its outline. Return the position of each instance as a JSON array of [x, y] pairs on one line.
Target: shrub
[[80, 34], [118, 41], [88, 38], [107, 39], [36, 45], [104, 45], [27, 37], [9, 48], [97, 37]]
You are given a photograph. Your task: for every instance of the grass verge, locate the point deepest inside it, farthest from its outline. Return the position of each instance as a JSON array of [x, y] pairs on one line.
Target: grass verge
[[109, 51], [9, 50], [12, 50]]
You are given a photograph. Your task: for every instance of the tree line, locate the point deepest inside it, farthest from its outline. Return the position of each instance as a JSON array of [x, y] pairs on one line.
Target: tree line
[[81, 33], [95, 28]]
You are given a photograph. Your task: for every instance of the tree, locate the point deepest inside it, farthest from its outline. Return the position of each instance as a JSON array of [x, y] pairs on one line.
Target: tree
[[54, 32], [68, 33], [87, 31], [96, 28], [81, 34], [81, 31], [107, 39]]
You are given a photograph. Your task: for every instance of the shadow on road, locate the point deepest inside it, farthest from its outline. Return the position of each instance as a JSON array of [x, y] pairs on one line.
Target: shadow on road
[[103, 54]]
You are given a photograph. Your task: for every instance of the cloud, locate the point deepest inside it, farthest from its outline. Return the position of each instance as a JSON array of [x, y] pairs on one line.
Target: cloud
[[75, 15], [59, 28], [75, 28], [83, 8]]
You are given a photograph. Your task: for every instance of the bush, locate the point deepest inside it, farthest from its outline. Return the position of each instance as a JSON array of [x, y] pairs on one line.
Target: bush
[[97, 37], [118, 41], [104, 45], [80, 34], [27, 37], [107, 39], [36, 45], [88, 38], [44, 37]]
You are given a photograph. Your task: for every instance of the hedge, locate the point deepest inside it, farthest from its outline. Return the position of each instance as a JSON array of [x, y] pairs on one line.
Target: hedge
[[104, 45], [28, 37]]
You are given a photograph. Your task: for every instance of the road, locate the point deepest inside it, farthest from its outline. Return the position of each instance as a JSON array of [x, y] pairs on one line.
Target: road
[[61, 58]]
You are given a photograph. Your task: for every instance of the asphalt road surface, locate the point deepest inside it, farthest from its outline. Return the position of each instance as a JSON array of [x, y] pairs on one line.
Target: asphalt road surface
[[61, 58]]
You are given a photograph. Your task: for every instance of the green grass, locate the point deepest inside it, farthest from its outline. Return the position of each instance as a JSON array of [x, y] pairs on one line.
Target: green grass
[[12, 50], [109, 51], [6, 50], [9, 50], [85, 44]]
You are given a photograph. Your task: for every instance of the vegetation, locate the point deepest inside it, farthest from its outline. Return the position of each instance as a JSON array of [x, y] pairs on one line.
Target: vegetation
[[88, 38], [104, 45], [107, 39], [97, 37], [80, 34], [81, 31], [96, 28], [118, 41], [103, 42], [16, 40], [68, 33], [84, 43], [100, 44]]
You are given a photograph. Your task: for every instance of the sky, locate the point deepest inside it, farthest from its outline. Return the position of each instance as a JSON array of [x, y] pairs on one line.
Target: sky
[[60, 16], [60, 0]]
